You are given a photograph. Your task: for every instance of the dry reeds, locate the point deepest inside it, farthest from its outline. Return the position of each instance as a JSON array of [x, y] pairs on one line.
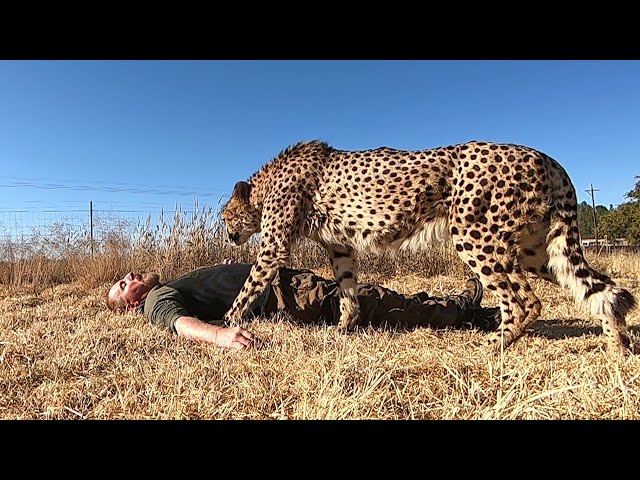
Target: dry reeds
[[63, 355]]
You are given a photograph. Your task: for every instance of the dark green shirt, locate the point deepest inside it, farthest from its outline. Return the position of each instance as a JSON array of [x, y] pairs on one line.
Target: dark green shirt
[[206, 293]]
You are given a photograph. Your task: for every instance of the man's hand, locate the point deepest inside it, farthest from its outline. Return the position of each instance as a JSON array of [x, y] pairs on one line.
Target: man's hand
[[233, 338], [236, 338]]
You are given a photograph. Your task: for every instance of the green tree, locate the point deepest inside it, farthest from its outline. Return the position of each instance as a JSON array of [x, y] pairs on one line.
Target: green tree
[[624, 220], [635, 193], [585, 219]]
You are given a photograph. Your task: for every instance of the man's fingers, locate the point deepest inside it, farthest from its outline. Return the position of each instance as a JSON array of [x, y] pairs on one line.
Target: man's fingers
[[248, 335], [241, 332], [243, 339], [239, 338]]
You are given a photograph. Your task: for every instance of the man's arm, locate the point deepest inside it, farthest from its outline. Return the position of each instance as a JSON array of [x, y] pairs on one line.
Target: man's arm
[[235, 338], [164, 307]]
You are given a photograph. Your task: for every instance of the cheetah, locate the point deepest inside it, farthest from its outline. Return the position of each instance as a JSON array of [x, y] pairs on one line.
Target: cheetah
[[508, 209]]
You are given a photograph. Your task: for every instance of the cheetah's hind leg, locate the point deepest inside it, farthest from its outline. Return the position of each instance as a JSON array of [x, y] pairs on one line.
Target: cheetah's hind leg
[[345, 269]]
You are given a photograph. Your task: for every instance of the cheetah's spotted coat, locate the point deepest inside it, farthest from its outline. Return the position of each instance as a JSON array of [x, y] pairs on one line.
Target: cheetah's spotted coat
[[508, 209]]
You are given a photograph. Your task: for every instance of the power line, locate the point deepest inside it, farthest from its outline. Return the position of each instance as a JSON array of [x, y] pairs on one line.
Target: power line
[[110, 202], [40, 205], [85, 182], [110, 189]]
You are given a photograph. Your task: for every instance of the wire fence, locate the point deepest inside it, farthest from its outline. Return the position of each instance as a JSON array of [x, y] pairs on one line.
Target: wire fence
[[89, 227], [23, 225], [48, 231], [609, 249]]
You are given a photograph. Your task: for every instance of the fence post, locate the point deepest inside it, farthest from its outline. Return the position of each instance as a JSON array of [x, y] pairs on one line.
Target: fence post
[[91, 225]]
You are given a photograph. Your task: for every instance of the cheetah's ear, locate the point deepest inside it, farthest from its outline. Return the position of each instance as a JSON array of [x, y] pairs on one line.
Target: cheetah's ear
[[241, 191]]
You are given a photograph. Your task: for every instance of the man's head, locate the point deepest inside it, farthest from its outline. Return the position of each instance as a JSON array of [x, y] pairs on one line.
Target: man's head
[[131, 290]]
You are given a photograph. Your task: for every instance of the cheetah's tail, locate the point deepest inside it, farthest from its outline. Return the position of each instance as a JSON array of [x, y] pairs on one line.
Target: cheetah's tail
[[591, 289]]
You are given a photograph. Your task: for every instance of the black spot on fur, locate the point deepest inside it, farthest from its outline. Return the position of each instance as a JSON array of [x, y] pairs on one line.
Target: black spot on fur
[[555, 233], [582, 273], [597, 287], [601, 277], [623, 303]]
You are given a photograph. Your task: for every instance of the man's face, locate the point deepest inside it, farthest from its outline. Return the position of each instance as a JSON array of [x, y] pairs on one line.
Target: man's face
[[133, 288]]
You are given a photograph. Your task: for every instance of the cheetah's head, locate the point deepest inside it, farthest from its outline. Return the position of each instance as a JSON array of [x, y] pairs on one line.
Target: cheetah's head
[[239, 216]]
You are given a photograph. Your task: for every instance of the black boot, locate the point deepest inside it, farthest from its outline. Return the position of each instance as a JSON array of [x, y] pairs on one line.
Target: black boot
[[487, 319], [475, 316], [471, 296]]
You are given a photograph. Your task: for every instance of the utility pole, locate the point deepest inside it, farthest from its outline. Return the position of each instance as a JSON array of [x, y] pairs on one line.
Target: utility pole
[[91, 225], [595, 220]]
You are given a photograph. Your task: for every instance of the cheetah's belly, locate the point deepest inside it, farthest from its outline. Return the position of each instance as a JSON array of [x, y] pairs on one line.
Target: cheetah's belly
[[432, 232], [378, 241]]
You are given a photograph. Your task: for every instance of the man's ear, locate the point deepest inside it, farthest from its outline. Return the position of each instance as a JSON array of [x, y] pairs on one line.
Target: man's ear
[[241, 191]]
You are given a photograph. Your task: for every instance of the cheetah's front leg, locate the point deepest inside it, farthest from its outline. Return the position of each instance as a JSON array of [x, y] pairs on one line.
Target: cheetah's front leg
[[260, 276], [345, 270]]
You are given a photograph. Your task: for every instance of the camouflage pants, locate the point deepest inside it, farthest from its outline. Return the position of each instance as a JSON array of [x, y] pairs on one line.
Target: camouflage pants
[[311, 299]]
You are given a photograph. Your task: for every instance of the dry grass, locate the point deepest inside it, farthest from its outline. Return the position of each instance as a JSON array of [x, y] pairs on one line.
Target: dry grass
[[64, 356]]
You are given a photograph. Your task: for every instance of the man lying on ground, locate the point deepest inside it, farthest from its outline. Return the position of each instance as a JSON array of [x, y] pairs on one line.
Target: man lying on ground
[[194, 304]]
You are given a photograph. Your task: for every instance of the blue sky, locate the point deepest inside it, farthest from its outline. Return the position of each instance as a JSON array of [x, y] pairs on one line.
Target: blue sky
[[145, 135]]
